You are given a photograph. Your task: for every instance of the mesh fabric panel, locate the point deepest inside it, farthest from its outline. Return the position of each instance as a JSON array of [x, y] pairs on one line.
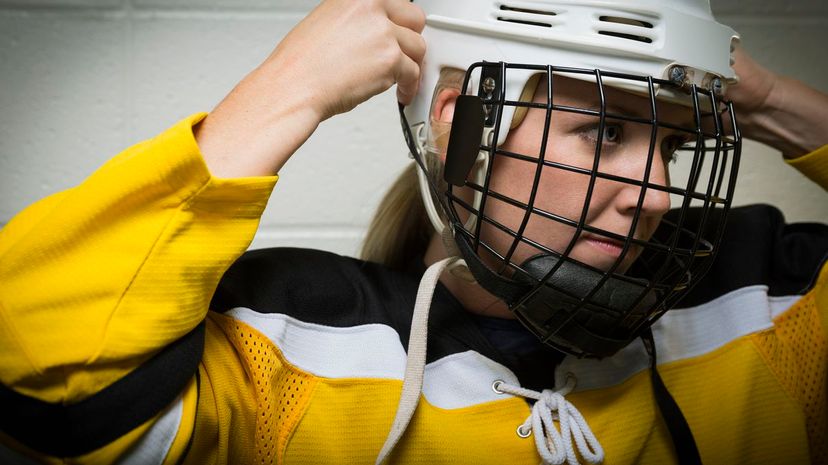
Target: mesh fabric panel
[[282, 392], [797, 352]]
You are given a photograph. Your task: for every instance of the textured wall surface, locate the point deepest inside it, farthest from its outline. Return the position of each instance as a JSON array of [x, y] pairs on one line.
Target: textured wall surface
[[82, 79]]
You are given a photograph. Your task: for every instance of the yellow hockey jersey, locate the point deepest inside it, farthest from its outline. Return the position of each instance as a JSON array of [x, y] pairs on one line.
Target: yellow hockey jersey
[[109, 354]]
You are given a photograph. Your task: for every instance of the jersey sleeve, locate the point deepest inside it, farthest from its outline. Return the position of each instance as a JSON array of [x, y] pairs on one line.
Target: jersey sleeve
[[814, 165], [101, 279]]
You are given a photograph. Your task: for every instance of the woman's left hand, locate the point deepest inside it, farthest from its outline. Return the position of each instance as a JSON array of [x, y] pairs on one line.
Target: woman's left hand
[[779, 111]]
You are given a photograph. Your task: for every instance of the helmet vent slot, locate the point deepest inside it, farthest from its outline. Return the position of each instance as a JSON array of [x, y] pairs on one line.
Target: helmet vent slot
[[627, 21], [626, 28], [526, 16], [621, 35]]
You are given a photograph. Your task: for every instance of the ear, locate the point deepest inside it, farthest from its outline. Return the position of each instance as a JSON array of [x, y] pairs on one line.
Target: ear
[[442, 113], [443, 109]]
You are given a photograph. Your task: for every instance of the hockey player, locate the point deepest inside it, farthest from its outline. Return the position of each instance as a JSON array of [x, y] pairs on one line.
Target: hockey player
[[551, 281]]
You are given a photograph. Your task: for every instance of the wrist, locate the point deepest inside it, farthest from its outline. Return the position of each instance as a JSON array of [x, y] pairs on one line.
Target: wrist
[[285, 101], [294, 80], [793, 118]]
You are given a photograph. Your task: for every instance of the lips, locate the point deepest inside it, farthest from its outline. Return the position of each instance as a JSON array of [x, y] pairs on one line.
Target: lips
[[607, 246], [611, 247]]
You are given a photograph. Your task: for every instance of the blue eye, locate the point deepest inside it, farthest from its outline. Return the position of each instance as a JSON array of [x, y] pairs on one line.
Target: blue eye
[[613, 134]]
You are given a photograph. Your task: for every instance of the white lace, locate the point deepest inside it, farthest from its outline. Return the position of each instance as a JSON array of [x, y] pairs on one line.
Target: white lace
[[555, 446], [415, 361]]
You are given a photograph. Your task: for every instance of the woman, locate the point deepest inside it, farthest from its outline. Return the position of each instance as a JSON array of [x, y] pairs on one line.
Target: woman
[[303, 359]]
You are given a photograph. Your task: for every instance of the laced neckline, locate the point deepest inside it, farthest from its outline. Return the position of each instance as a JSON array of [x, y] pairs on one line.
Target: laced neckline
[[554, 445]]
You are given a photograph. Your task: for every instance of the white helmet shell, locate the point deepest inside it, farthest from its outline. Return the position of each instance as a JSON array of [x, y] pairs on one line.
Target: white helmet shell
[[641, 37]]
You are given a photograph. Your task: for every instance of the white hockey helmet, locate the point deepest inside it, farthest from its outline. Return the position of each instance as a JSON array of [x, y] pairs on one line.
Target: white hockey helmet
[[664, 50]]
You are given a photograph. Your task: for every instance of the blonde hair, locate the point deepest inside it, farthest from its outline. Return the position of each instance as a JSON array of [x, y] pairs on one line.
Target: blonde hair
[[400, 230]]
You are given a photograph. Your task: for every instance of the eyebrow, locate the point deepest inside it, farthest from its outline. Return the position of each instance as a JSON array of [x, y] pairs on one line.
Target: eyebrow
[[621, 110]]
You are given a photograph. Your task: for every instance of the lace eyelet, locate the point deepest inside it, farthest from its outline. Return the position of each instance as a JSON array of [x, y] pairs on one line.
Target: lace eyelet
[[523, 434], [496, 385]]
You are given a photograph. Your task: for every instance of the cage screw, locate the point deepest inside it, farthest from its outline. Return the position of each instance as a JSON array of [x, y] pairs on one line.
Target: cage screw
[[678, 74], [489, 85], [716, 87]]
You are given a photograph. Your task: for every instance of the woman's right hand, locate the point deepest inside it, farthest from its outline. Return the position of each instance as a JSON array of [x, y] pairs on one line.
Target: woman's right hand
[[343, 53]]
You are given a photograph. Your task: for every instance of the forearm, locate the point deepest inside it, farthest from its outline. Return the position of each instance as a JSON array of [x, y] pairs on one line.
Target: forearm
[[793, 119], [254, 133]]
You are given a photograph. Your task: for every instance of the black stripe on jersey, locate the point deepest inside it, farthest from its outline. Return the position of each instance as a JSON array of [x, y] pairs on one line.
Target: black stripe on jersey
[[758, 248], [327, 289], [76, 429]]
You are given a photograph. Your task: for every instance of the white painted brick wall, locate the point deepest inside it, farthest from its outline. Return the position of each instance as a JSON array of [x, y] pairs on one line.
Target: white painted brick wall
[[82, 79]]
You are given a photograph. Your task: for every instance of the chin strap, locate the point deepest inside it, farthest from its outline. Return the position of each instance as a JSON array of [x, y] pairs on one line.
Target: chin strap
[[683, 441]]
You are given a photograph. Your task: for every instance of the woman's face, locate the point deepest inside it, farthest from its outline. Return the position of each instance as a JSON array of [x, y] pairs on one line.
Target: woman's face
[[572, 141]]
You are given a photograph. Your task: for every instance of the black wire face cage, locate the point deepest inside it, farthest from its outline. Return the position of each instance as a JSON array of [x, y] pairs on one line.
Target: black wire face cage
[[568, 224]]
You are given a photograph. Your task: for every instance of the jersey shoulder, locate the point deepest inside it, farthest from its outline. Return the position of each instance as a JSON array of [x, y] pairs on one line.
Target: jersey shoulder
[[760, 248], [314, 286]]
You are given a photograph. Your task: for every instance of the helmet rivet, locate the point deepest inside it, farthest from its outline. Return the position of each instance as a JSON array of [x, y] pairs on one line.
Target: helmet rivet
[[678, 74], [716, 87], [489, 85]]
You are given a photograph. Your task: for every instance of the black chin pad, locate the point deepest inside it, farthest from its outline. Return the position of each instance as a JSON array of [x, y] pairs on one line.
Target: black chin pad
[[464, 140], [580, 281], [598, 327]]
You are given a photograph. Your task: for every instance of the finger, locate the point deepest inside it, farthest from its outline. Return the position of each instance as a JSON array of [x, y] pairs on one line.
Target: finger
[[407, 76], [411, 43], [406, 14]]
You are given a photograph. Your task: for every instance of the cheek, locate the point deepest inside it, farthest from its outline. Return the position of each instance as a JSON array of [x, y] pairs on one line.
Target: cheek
[[559, 193], [562, 193]]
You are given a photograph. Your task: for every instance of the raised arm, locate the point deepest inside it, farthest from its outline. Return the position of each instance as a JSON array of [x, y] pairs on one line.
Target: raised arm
[[343, 53], [98, 282]]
